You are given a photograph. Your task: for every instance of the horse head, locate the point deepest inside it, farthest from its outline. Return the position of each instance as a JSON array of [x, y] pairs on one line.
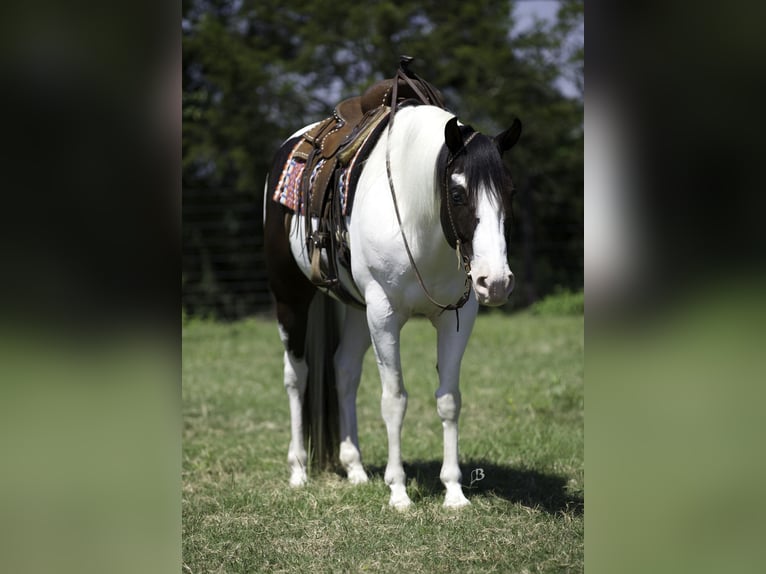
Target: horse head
[[476, 206]]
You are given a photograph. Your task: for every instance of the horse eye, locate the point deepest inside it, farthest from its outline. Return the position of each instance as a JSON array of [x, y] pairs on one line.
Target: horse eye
[[457, 196]]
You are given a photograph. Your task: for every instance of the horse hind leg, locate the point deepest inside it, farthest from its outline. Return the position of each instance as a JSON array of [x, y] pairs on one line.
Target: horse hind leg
[[354, 343], [295, 383], [295, 380], [293, 294]]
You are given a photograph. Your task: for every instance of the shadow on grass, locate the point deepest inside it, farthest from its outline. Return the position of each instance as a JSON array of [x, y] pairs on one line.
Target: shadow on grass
[[527, 487]]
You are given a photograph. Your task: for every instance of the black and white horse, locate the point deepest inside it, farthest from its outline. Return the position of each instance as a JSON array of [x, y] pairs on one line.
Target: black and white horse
[[453, 193]]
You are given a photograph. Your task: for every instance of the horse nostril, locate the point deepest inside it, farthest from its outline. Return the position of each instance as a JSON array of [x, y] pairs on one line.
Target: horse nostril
[[482, 282], [511, 282]]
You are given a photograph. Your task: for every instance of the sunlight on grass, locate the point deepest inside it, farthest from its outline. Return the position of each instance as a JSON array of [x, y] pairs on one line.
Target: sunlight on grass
[[521, 427]]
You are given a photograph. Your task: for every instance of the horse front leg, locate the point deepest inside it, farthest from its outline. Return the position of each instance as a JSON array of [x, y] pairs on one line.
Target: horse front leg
[[354, 343], [385, 327], [451, 346]]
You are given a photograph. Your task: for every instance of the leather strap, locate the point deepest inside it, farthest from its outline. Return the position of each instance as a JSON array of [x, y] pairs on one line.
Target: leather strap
[[403, 73]]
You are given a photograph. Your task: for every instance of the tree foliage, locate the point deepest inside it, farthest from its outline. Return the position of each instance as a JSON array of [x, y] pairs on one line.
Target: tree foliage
[[256, 71]]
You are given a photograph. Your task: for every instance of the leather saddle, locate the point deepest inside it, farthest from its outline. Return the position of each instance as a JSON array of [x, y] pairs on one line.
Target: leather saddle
[[337, 138], [330, 146]]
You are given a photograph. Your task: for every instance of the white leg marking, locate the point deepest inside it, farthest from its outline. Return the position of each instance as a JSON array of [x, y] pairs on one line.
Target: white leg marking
[[354, 343], [451, 346], [385, 326], [295, 377], [296, 373]]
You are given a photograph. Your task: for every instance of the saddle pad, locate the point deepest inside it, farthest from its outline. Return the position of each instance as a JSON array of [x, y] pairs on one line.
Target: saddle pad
[[288, 190]]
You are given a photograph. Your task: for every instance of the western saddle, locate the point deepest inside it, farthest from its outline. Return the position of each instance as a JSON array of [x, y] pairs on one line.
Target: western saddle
[[329, 147]]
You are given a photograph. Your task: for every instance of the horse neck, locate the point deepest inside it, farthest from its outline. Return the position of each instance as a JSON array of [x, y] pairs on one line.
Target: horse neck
[[418, 137]]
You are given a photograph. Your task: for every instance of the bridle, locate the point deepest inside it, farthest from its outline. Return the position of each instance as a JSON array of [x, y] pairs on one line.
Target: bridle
[[461, 257], [403, 73]]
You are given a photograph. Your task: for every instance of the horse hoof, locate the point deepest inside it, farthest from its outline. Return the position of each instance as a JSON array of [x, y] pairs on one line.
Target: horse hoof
[[357, 477], [401, 505], [298, 479], [400, 502], [456, 501]]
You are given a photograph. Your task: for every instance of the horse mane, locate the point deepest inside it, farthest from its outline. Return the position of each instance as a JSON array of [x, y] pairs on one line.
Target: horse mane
[[419, 134]]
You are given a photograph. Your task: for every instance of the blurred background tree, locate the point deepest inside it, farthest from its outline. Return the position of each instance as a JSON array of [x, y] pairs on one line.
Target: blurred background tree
[[256, 71]]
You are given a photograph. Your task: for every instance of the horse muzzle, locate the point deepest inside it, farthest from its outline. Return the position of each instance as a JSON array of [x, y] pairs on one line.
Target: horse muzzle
[[492, 289]]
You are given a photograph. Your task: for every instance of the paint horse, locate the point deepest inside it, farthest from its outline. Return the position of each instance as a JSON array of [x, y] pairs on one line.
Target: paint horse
[[445, 189]]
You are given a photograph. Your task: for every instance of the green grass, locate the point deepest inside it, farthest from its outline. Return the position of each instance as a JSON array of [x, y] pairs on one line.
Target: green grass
[[561, 302], [521, 424]]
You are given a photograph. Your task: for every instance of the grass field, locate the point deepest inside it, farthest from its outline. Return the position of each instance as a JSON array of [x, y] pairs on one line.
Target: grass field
[[521, 434]]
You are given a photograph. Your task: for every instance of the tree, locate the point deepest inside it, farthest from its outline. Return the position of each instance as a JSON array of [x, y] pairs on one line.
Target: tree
[[256, 71]]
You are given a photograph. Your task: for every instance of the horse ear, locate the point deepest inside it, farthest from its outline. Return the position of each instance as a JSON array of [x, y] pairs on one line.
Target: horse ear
[[452, 136], [509, 137]]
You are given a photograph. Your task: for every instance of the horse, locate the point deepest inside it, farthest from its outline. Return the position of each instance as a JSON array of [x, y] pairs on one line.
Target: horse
[[430, 188]]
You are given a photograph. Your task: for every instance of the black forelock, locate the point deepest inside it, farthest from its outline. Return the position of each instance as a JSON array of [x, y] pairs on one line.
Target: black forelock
[[481, 164]]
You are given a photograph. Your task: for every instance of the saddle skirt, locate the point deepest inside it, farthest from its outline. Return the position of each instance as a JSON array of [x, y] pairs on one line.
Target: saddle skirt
[[291, 185]]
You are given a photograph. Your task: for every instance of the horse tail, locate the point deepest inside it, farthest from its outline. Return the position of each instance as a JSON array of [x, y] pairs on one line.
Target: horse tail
[[321, 419]]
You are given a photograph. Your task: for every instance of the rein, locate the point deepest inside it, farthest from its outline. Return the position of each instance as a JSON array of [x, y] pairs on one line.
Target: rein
[[402, 73]]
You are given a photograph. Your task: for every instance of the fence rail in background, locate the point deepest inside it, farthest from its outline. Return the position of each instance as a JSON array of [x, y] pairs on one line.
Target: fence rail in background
[[223, 268], [224, 274]]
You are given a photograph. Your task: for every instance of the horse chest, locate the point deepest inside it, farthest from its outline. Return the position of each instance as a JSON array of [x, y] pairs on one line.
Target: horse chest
[[383, 262]]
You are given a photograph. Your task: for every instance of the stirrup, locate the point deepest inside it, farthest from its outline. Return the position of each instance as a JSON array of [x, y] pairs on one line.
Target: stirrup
[[318, 238]]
